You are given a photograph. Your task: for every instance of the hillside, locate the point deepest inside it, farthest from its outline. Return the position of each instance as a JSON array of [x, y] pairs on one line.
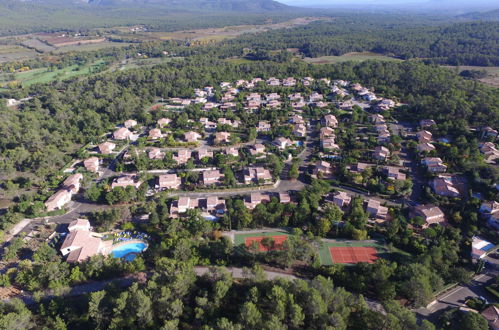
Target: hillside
[[492, 15]]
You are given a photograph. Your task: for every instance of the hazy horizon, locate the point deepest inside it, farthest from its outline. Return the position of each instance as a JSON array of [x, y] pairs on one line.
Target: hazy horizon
[[454, 4]]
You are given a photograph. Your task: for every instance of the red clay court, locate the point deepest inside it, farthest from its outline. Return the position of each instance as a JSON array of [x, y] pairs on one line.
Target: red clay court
[[278, 241], [352, 254]]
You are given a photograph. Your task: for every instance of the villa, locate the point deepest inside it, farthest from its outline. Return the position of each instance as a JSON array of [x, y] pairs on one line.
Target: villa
[[183, 156], [211, 177], [329, 121], [191, 136], [81, 244], [58, 200], [431, 214], [381, 153], [257, 149], [126, 180], [155, 153], [376, 210], [130, 123], [164, 122], [254, 199], [155, 134], [203, 153], [122, 134], [169, 181], [282, 143], [257, 175], [91, 164], [106, 148], [221, 137], [323, 168], [342, 199]]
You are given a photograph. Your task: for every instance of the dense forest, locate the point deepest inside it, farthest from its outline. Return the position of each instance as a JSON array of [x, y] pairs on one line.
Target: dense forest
[[473, 43]]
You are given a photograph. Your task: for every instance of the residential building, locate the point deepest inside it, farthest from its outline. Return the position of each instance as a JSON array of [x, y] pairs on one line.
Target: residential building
[[254, 199], [326, 132], [79, 224], [490, 207], [126, 180], [183, 156], [394, 173], [164, 122], [491, 314], [434, 164], [155, 153], [425, 123], [203, 153], [425, 147], [221, 137], [444, 186], [424, 136], [211, 177], [80, 244], [376, 210], [381, 153], [72, 182], [342, 199], [169, 181], [323, 168], [257, 149], [122, 134], [155, 134], [106, 148], [300, 130], [284, 198], [263, 126], [191, 136], [58, 200], [257, 175], [296, 119], [130, 123], [232, 152], [91, 164], [430, 213], [329, 144], [329, 121], [282, 143]]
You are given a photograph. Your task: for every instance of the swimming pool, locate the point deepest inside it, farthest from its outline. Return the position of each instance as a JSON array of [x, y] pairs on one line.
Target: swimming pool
[[128, 251]]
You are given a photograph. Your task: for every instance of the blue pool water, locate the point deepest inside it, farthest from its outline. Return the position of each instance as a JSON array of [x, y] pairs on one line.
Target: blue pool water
[[128, 251]]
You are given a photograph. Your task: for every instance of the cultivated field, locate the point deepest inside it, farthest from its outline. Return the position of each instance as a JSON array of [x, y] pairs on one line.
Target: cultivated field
[[364, 56]]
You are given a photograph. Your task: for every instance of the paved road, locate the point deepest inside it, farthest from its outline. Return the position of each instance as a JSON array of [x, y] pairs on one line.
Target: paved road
[[457, 296]]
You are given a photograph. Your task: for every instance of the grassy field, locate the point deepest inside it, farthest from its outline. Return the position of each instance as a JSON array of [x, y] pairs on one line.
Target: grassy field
[[349, 57], [492, 77], [90, 47], [15, 53], [44, 75], [238, 61]]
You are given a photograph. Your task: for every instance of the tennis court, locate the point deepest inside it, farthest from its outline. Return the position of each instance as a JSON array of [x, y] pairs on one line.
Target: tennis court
[[352, 254], [276, 242]]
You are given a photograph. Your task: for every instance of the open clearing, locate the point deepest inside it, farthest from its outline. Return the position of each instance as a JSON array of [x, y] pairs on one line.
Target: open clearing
[[10, 53], [492, 77], [44, 75], [218, 34], [364, 56]]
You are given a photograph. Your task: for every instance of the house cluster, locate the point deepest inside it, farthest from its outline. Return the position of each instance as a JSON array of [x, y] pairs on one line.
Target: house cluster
[[211, 206], [326, 134], [377, 212], [253, 200], [381, 128], [63, 196]]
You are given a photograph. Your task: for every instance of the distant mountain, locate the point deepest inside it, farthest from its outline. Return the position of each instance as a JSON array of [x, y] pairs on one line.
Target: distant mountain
[[492, 15], [184, 5]]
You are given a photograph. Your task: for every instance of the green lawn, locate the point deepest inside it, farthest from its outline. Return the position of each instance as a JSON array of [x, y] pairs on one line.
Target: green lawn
[[44, 75], [349, 57]]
